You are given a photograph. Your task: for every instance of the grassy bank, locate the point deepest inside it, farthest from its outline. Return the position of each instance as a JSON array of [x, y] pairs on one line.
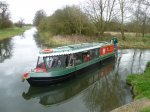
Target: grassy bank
[[145, 109], [131, 40], [140, 83], [10, 32]]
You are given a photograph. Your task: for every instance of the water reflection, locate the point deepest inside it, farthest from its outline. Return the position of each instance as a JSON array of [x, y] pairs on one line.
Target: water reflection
[[100, 86], [5, 50], [38, 40]]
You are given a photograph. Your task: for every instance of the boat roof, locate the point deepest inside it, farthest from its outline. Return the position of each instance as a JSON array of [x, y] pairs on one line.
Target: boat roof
[[71, 49]]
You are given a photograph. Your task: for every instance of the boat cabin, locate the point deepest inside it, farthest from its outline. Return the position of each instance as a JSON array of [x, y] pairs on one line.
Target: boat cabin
[[68, 56]]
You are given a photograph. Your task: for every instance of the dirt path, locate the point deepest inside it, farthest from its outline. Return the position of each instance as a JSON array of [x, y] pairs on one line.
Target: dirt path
[[135, 106]]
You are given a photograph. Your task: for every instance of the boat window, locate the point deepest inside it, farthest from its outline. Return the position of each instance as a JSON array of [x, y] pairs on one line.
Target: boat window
[[94, 53], [40, 63], [69, 60], [55, 62], [86, 56], [78, 58]]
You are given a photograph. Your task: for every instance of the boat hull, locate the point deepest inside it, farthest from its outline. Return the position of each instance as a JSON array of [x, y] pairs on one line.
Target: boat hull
[[46, 81]]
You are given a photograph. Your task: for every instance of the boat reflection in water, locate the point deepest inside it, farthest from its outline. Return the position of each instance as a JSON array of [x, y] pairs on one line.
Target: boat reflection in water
[[66, 91]]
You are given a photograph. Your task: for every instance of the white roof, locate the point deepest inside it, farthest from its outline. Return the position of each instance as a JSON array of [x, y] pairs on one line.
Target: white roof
[[72, 51]]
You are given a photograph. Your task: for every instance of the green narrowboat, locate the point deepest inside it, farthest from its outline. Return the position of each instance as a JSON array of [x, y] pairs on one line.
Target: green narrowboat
[[55, 95], [57, 64]]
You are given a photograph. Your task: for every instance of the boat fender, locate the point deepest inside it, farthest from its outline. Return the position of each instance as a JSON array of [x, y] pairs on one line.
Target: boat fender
[[25, 76]]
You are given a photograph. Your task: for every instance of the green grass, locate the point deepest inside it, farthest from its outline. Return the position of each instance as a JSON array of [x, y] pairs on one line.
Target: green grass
[[147, 109], [10, 32], [140, 83]]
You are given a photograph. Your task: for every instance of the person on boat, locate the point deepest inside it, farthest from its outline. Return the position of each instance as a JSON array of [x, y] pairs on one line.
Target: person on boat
[[49, 61], [87, 57], [59, 63], [71, 60], [115, 42]]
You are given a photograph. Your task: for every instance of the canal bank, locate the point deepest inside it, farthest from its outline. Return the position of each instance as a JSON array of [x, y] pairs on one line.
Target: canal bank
[[141, 92], [141, 105], [10, 32], [131, 41]]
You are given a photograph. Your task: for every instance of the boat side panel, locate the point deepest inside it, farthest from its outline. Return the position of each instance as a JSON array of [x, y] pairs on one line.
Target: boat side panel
[[105, 50], [85, 64], [55, 73]]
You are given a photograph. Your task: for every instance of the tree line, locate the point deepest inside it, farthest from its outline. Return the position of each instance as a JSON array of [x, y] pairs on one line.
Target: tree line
[[5, 21], [4, 16], [96, 17]]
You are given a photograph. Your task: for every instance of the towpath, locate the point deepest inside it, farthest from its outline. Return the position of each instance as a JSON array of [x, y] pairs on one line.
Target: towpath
[[135, 106]]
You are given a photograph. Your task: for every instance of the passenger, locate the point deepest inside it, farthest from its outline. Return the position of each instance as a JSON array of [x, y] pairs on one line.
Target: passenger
[[55, 62], [59, 63], [71, 60], [41, 65], [86, 57], [49, 62]]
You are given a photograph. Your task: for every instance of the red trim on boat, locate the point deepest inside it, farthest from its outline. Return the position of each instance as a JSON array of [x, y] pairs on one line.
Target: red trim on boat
[[40, 69]]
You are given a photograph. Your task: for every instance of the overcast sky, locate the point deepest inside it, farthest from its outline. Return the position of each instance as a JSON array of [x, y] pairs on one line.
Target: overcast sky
[[26, 8]]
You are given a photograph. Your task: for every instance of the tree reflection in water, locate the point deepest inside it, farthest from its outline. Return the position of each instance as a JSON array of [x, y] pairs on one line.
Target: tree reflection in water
[[106, 93], [5, 49], [39, 42]]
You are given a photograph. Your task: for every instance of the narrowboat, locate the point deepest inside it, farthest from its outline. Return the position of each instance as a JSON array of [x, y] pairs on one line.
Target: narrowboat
[[58, 64], [55, 95]]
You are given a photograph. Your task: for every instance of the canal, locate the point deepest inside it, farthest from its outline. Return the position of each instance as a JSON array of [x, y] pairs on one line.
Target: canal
[[100, 89]]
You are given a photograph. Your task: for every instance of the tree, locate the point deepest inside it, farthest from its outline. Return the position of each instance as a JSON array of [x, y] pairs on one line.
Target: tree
[[4, 15], [136, 14], [20, 23], [122, 5], [70, 20], [100, 12], [145, 15], [39, 15]]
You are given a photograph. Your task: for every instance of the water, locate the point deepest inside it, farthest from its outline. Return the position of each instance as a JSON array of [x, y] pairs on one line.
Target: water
[[100, 89]]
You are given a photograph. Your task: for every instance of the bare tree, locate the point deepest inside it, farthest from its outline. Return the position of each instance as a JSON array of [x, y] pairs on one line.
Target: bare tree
[[4, 15], [136, 12], [100, 12], [145, 15], [122, 4], [20, 23], [4, 9], [141, 14]]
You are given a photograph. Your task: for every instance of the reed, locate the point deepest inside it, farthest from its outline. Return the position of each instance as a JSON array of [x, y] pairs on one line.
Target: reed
[[131, 40]]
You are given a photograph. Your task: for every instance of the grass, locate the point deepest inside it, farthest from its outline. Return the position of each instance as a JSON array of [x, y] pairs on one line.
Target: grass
[[131, 40], [147, 109], [10, 32], [140, 83]]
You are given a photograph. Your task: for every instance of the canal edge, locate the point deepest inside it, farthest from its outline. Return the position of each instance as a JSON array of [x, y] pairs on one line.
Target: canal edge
[[135, 106]]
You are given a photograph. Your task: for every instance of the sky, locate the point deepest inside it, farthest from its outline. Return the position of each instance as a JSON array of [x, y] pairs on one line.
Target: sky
[[26, 9]]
